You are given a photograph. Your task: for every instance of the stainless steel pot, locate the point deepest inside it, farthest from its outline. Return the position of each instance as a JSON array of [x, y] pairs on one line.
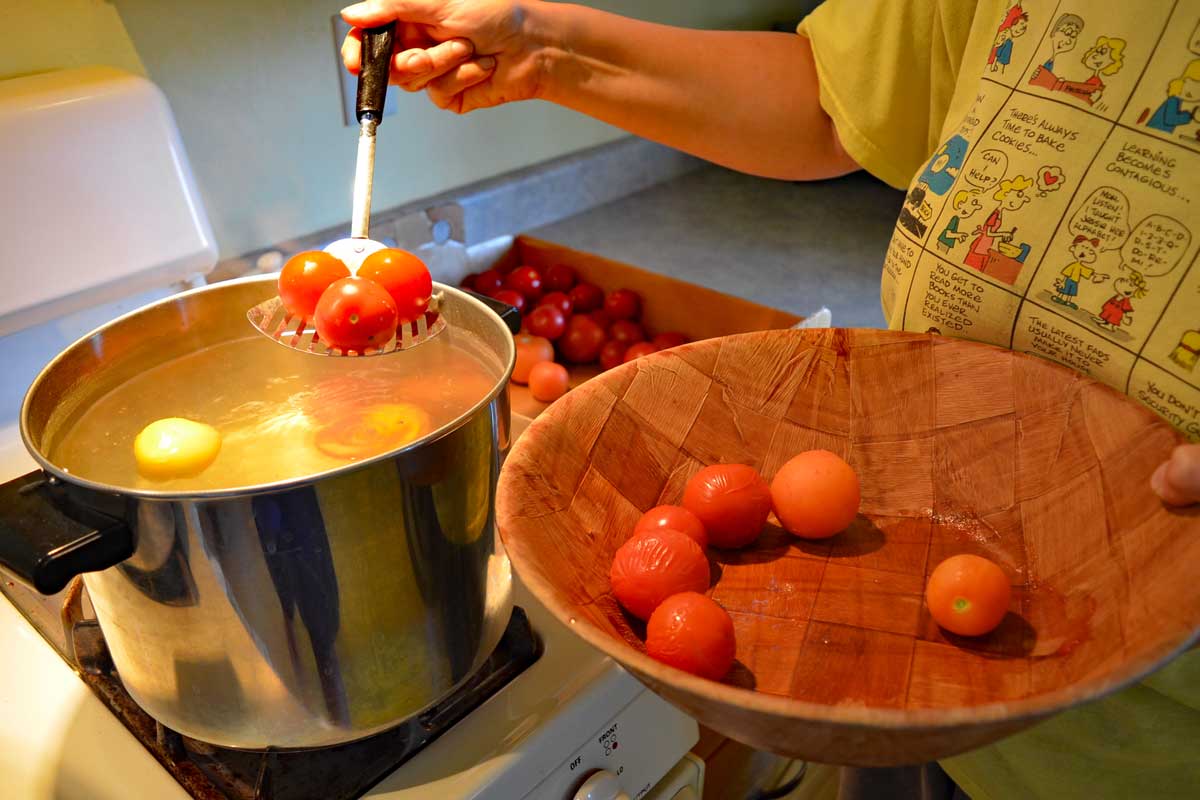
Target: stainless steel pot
[[297, 614]]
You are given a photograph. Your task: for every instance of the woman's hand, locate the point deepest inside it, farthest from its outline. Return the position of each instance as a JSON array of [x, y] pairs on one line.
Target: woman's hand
[[466, 54], [1177, 480]]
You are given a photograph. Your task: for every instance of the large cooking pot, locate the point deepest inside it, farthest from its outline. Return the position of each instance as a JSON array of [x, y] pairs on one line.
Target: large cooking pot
[[297, 614]]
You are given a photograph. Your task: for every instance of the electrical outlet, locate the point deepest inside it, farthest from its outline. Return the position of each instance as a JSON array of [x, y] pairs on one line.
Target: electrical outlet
[[349, 83]]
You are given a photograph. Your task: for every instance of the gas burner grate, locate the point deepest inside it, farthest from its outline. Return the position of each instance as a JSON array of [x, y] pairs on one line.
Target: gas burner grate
[[208, 772]]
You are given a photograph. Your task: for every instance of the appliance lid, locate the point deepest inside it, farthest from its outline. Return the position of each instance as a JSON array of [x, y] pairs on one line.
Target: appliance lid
[[99, 201]]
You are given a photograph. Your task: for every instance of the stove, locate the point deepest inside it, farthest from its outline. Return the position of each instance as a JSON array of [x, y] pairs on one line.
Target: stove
[[545, 713]]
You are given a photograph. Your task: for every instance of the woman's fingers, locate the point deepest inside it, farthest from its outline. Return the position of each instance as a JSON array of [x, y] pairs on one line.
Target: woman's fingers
[[448, 90], [409, 36], [1177, 480], [372, 13], [414, 69]]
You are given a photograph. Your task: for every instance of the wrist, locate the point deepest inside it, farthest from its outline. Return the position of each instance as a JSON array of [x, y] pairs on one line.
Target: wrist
[[545, 28]]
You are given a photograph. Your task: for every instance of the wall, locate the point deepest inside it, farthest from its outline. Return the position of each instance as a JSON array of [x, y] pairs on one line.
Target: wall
[[255, 89], [39, 36]]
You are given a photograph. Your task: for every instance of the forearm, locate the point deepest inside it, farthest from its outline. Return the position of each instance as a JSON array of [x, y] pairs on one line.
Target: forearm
[[746, 100]]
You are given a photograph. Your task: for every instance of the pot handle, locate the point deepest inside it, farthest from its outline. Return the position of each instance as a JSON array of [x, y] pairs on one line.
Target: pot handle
[[48, 537], [510, 314]]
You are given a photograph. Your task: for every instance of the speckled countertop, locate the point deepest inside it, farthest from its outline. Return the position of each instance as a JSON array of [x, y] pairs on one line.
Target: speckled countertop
[[792, 246]]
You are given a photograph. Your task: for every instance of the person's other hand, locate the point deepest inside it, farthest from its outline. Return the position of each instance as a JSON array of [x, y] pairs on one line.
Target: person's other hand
[[1177, 480], [466, 54]]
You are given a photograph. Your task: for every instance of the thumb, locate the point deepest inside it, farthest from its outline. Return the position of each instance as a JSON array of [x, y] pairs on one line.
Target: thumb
[[1177, 480], [372, 13]]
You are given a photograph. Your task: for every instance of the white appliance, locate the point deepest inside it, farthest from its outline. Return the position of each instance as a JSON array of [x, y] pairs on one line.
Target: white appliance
[[93, 164]]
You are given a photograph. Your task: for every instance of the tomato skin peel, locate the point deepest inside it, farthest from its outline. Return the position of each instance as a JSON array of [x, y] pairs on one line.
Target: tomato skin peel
[[652, 566], [732, 500]]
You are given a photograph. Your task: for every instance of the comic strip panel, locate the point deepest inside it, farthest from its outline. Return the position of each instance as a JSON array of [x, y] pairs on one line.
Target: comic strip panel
[[1093, 52], [1046, 334], [1019, 29], [1175, 343], [1020, 176], [1171, 398], [1166, 102], [936, 183], [1115, 263], [954, 301]]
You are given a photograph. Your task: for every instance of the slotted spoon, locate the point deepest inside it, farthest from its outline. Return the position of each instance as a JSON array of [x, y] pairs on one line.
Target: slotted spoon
[[270, 317]]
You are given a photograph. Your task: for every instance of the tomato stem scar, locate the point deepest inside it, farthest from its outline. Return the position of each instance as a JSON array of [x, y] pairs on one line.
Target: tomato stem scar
[[961, 604]]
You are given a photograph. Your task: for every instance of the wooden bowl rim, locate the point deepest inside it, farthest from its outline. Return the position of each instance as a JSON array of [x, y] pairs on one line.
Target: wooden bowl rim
[[850, 715]]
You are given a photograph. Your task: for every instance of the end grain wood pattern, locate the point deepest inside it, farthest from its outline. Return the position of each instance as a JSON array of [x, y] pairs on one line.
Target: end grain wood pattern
[[960, 447]]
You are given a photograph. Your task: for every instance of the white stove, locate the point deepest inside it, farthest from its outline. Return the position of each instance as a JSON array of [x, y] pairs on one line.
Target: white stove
[[572, 716]]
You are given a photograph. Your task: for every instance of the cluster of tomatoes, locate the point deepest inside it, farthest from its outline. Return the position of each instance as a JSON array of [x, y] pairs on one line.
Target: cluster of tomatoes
[[661, 573], [361, 311], [570, 318]]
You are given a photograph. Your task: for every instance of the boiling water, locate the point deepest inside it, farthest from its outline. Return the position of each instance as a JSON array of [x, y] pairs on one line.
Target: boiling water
[[271, 404]]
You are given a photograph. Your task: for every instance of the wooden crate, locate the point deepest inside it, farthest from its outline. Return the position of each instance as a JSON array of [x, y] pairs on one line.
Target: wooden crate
[[668, 304]]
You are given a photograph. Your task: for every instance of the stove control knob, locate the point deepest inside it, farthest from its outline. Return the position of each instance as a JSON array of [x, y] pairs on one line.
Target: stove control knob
[[602, 785]]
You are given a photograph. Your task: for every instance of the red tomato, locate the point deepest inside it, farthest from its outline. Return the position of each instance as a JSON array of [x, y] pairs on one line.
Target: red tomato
[[560, 278], [581, 341], [626, 331], [469, 281], [527, 281], [547, 321], [586, 297], [514, 299], [305, 277], [732, 500], [968, 595], [488, 282], [623, 304], [665, 341], [815, 494], [404, 276], [600, 317], [649, 568], [638, 350], [548, 381], [612, 354], [530, 350], [691, 632], [354, 314], [675, 518], [559, 300]]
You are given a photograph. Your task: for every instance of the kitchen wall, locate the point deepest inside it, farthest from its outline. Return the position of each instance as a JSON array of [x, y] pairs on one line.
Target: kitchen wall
[[255, 89], [39, 36]]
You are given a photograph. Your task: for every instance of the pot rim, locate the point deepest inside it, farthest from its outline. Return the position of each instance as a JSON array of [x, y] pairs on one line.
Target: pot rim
[[56, 472]]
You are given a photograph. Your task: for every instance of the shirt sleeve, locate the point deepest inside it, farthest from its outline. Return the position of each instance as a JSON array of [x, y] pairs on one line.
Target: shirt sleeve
[[887, 72]]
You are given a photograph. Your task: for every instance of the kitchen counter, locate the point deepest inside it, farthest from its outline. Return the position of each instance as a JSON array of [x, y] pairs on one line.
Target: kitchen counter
[[794, 246]]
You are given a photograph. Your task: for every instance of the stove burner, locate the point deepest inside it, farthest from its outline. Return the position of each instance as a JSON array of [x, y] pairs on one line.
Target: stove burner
[[208, 772]]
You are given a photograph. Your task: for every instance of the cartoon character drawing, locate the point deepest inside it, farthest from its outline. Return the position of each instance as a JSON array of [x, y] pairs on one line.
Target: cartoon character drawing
[[1063, 36], [1015, 23], [1011, 194], [915, 220], [1085, 252], [942, 169], [1118, 309], [1105, 57], [1187, 352], [1171, 113], [965, 204]]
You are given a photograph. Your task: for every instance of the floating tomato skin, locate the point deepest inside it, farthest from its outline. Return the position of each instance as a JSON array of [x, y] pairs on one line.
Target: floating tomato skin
[[693, 633], [732, 500], [652, 566]]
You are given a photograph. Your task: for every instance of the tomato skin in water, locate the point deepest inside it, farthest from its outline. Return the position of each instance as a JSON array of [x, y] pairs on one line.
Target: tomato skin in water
[[815, 494], [675, 518], [968, 595], [652, 566], [693, 633], [732, 500]]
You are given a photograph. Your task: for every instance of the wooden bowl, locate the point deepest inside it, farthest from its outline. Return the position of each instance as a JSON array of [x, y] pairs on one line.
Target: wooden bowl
[[960, 447]]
